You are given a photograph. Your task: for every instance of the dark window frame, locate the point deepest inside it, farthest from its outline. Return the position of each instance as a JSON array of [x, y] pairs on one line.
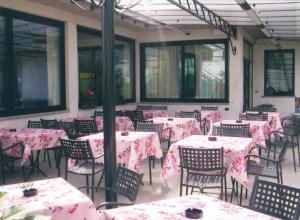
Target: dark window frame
[[182, 99], [87, 30], [266, 52], [9, 15]]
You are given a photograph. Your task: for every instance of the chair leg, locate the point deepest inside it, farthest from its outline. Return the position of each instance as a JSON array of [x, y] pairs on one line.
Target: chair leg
[[93, 186], [99, 183], [294, 159], [297, 138], [87, 184], [2, 173], [66, 169], [23, 173], [57, 160], [150, 172], [222, 192], [48, 156], [241, 195], [225, 185]]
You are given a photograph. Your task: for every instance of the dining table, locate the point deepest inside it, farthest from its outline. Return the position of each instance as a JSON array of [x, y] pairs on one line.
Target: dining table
[[122, 123], [175, 209], [180, 127], [235, 150], [55, 198], [211, 116], [274, 119], [132, 147], [152, 113], [260, 130]]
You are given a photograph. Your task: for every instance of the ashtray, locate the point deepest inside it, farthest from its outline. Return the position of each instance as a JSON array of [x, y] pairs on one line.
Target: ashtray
[[12, 130], [193, 213], [30, 192], [124, 133], [238, 121], [170, 119], [212, 138]]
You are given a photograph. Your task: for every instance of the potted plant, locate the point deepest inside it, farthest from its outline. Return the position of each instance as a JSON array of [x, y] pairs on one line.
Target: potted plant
[[88, 99]]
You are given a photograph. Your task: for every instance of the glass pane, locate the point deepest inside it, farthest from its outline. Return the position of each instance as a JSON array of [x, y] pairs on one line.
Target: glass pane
[[2, 63], [279, 73], [124, 71], [37, 64], [205, 74], [90, 70], [163, 72]]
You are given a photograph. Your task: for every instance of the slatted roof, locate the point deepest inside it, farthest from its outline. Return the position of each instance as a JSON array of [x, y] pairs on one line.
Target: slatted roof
[[281, 18]]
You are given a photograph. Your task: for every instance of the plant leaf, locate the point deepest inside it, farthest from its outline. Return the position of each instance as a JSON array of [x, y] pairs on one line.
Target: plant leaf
[[2, 197], [14, 212], [38, 217]]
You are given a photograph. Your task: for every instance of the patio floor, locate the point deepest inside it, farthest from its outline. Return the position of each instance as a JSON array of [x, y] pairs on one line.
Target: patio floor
[[159, 190]]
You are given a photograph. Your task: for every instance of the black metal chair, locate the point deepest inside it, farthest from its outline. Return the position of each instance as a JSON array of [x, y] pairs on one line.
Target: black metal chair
[[126, 183], [98, 113], [120, 113], [184, 114], [275, 199], [34, 124], [49, 123], [256, 116], [137, 116], [143, 107], [235, 130], [209, 108], [150, 127], [160, 107], [52, 124], [81, 152], [8, 159], [69, 127], [291, 130], [86, 127], [204, 169], [216, 131]]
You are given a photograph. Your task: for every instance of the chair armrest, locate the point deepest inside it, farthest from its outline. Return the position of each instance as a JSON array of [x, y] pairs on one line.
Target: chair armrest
[[260, 157], [14, 145], [113, 204], [101, 155]]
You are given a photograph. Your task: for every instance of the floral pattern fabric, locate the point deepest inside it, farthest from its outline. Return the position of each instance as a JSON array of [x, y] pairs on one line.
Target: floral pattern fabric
[[211, 116], [180, 127], [260, 130], [131, 149], [273, 119], [174, 209], [33, 139], [152, 113], [122, 123], [55, 198], [235, 150]]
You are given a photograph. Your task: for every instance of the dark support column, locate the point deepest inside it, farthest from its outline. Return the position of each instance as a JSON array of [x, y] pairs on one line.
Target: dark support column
[[109, 96]]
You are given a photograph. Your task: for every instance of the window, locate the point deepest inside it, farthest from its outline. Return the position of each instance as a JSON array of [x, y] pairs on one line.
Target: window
[[90, 68], [187, 71], [279, 72], [31, 64]]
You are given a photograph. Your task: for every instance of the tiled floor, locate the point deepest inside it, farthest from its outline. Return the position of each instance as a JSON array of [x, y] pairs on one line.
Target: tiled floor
[[159, 190]]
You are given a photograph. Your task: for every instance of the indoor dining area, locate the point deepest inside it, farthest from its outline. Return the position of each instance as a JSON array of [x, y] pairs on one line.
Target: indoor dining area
[[149, 109]]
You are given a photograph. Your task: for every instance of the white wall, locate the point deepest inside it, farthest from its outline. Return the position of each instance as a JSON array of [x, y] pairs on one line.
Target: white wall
[[285, 105], [87, 19]]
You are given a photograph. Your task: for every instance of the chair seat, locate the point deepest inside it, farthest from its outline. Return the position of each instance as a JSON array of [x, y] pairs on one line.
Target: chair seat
[[207, 179], [262, 170], [165, 146], [86, 168]]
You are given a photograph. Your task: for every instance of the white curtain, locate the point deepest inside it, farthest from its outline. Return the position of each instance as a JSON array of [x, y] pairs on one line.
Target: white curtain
[[53, 66]]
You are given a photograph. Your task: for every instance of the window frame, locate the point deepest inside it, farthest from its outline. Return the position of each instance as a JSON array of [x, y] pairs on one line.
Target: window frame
[[266, 52], [182, 99], [91, 31], [9, 15]]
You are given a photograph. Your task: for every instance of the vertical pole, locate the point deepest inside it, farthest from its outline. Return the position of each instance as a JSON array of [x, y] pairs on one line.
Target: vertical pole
[[108, 96]]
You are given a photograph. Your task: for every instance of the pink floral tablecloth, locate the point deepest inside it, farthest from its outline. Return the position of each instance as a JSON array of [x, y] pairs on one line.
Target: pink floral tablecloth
[[55, 198], [260, 130], [152, 113], [211, 116], [131, 149], [273, 119], [122, 123], [33, 139], [174, 209], [180, 127], [235, 149]]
